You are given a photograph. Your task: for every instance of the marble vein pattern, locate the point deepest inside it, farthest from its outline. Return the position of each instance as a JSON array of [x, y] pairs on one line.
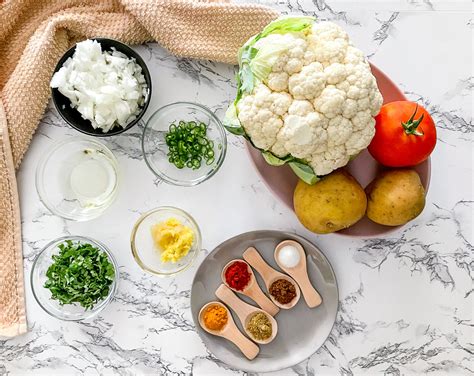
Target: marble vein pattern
[[406, 299]]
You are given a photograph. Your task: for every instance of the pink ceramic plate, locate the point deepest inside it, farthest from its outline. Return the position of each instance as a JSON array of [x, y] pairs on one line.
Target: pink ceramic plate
[[282, 181]]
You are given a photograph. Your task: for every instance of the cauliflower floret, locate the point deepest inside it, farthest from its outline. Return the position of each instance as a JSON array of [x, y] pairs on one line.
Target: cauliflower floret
[[309, 57], [280, 103], [328, 161], [350, 108], [359, 140], [330, 101], [279, 149], [278, 81], [309, 83], [300, 107], [298, 131], [328, 31], [363, 119], [329, 42], [260, 115], [291, 61], [317, 103], [335, 73], [339, 131], [361, 82], [353, 55], [344, 86], [293, 65], [298, 48], [376, 101], [363, 104], [302, 135], [280, 63], [262, 96], [304, 116], [319, 124]]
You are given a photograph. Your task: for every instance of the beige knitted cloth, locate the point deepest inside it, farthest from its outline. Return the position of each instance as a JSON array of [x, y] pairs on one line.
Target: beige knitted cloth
[[34, 34]]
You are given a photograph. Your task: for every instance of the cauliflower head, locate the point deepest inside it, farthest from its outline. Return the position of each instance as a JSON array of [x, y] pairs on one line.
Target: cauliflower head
[[306, 96]]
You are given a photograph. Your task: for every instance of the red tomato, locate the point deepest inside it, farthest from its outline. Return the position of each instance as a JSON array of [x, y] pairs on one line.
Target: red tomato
[[405, 135]]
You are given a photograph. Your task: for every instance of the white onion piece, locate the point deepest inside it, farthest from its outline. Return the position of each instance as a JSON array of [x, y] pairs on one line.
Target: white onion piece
[[107, 88]]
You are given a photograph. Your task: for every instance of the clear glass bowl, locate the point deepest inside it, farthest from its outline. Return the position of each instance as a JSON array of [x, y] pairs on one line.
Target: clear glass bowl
[[144, 250], [68, 312], [77, 178], [155, 149]]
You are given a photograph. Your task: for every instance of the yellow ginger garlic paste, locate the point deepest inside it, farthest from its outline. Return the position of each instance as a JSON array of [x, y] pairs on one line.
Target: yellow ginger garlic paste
[[173, 239]]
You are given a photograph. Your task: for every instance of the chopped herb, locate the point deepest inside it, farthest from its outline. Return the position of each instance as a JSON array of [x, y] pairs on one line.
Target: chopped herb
[[80, 273]]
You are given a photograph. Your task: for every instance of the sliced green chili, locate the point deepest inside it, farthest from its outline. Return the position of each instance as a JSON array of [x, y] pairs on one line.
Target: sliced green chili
[[188, 145]]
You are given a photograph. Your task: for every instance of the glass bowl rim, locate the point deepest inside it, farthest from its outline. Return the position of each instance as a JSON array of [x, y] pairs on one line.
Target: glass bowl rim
[[220, 160], [137, 224], [101, 304], [43, 162]]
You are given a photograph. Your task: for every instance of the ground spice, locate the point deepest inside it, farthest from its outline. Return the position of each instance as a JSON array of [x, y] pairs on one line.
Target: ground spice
[[260, 326], [237, 275], [215, 317], [283, 291]]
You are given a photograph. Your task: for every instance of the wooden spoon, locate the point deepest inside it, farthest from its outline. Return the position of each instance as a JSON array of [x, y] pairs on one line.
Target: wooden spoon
[[270, 275], [252, 290], [245, 312], [300, 274], [231, 333]]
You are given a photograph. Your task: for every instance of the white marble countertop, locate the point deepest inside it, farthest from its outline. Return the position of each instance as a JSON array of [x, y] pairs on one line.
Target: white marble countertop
[[405, 299]]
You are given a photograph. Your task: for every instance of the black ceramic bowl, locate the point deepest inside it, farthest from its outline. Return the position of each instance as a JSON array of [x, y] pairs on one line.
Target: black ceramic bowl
[[73, 117]]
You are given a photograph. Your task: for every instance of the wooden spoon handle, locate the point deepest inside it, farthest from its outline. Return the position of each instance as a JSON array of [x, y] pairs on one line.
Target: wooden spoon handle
[[248, 348], [311, 296], [241, 308], [262, 300], [254, 258]]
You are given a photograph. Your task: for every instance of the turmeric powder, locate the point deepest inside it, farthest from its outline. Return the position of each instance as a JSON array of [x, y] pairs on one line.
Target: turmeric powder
[[215, 317]]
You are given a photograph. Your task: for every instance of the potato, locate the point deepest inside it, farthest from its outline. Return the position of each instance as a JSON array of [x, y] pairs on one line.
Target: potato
[[395, 197], [335, 202]]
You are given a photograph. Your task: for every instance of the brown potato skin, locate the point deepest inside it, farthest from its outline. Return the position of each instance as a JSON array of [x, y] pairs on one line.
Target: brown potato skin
[[395, 197], [335, 202]]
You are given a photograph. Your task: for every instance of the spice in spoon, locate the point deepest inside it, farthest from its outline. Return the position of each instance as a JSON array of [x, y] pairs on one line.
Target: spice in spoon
[[237, 275], [260, 326], [283, 291], [289, 256], [215, 317]]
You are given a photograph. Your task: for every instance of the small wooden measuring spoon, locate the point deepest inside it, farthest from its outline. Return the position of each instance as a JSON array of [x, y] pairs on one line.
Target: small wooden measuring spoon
[[252, 290], [245, 312], [270, 275], [300, 273], [231, 333]]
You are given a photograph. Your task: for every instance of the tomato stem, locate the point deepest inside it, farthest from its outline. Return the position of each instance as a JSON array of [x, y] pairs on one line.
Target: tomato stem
[[411, 125]]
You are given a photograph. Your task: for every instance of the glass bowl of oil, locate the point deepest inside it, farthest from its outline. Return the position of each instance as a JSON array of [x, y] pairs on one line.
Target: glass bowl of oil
[[77, 179]]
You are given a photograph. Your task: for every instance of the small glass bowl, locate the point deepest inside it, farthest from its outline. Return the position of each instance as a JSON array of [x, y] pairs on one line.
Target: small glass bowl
[[77, 179], [155, 149], [144, 250], [67, 312]]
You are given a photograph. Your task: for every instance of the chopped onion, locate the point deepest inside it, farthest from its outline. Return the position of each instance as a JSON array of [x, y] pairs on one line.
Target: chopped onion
[[106, 87]]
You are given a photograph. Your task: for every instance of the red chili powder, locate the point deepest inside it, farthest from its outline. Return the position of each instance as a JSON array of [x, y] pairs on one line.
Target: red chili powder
[[237, 275]]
